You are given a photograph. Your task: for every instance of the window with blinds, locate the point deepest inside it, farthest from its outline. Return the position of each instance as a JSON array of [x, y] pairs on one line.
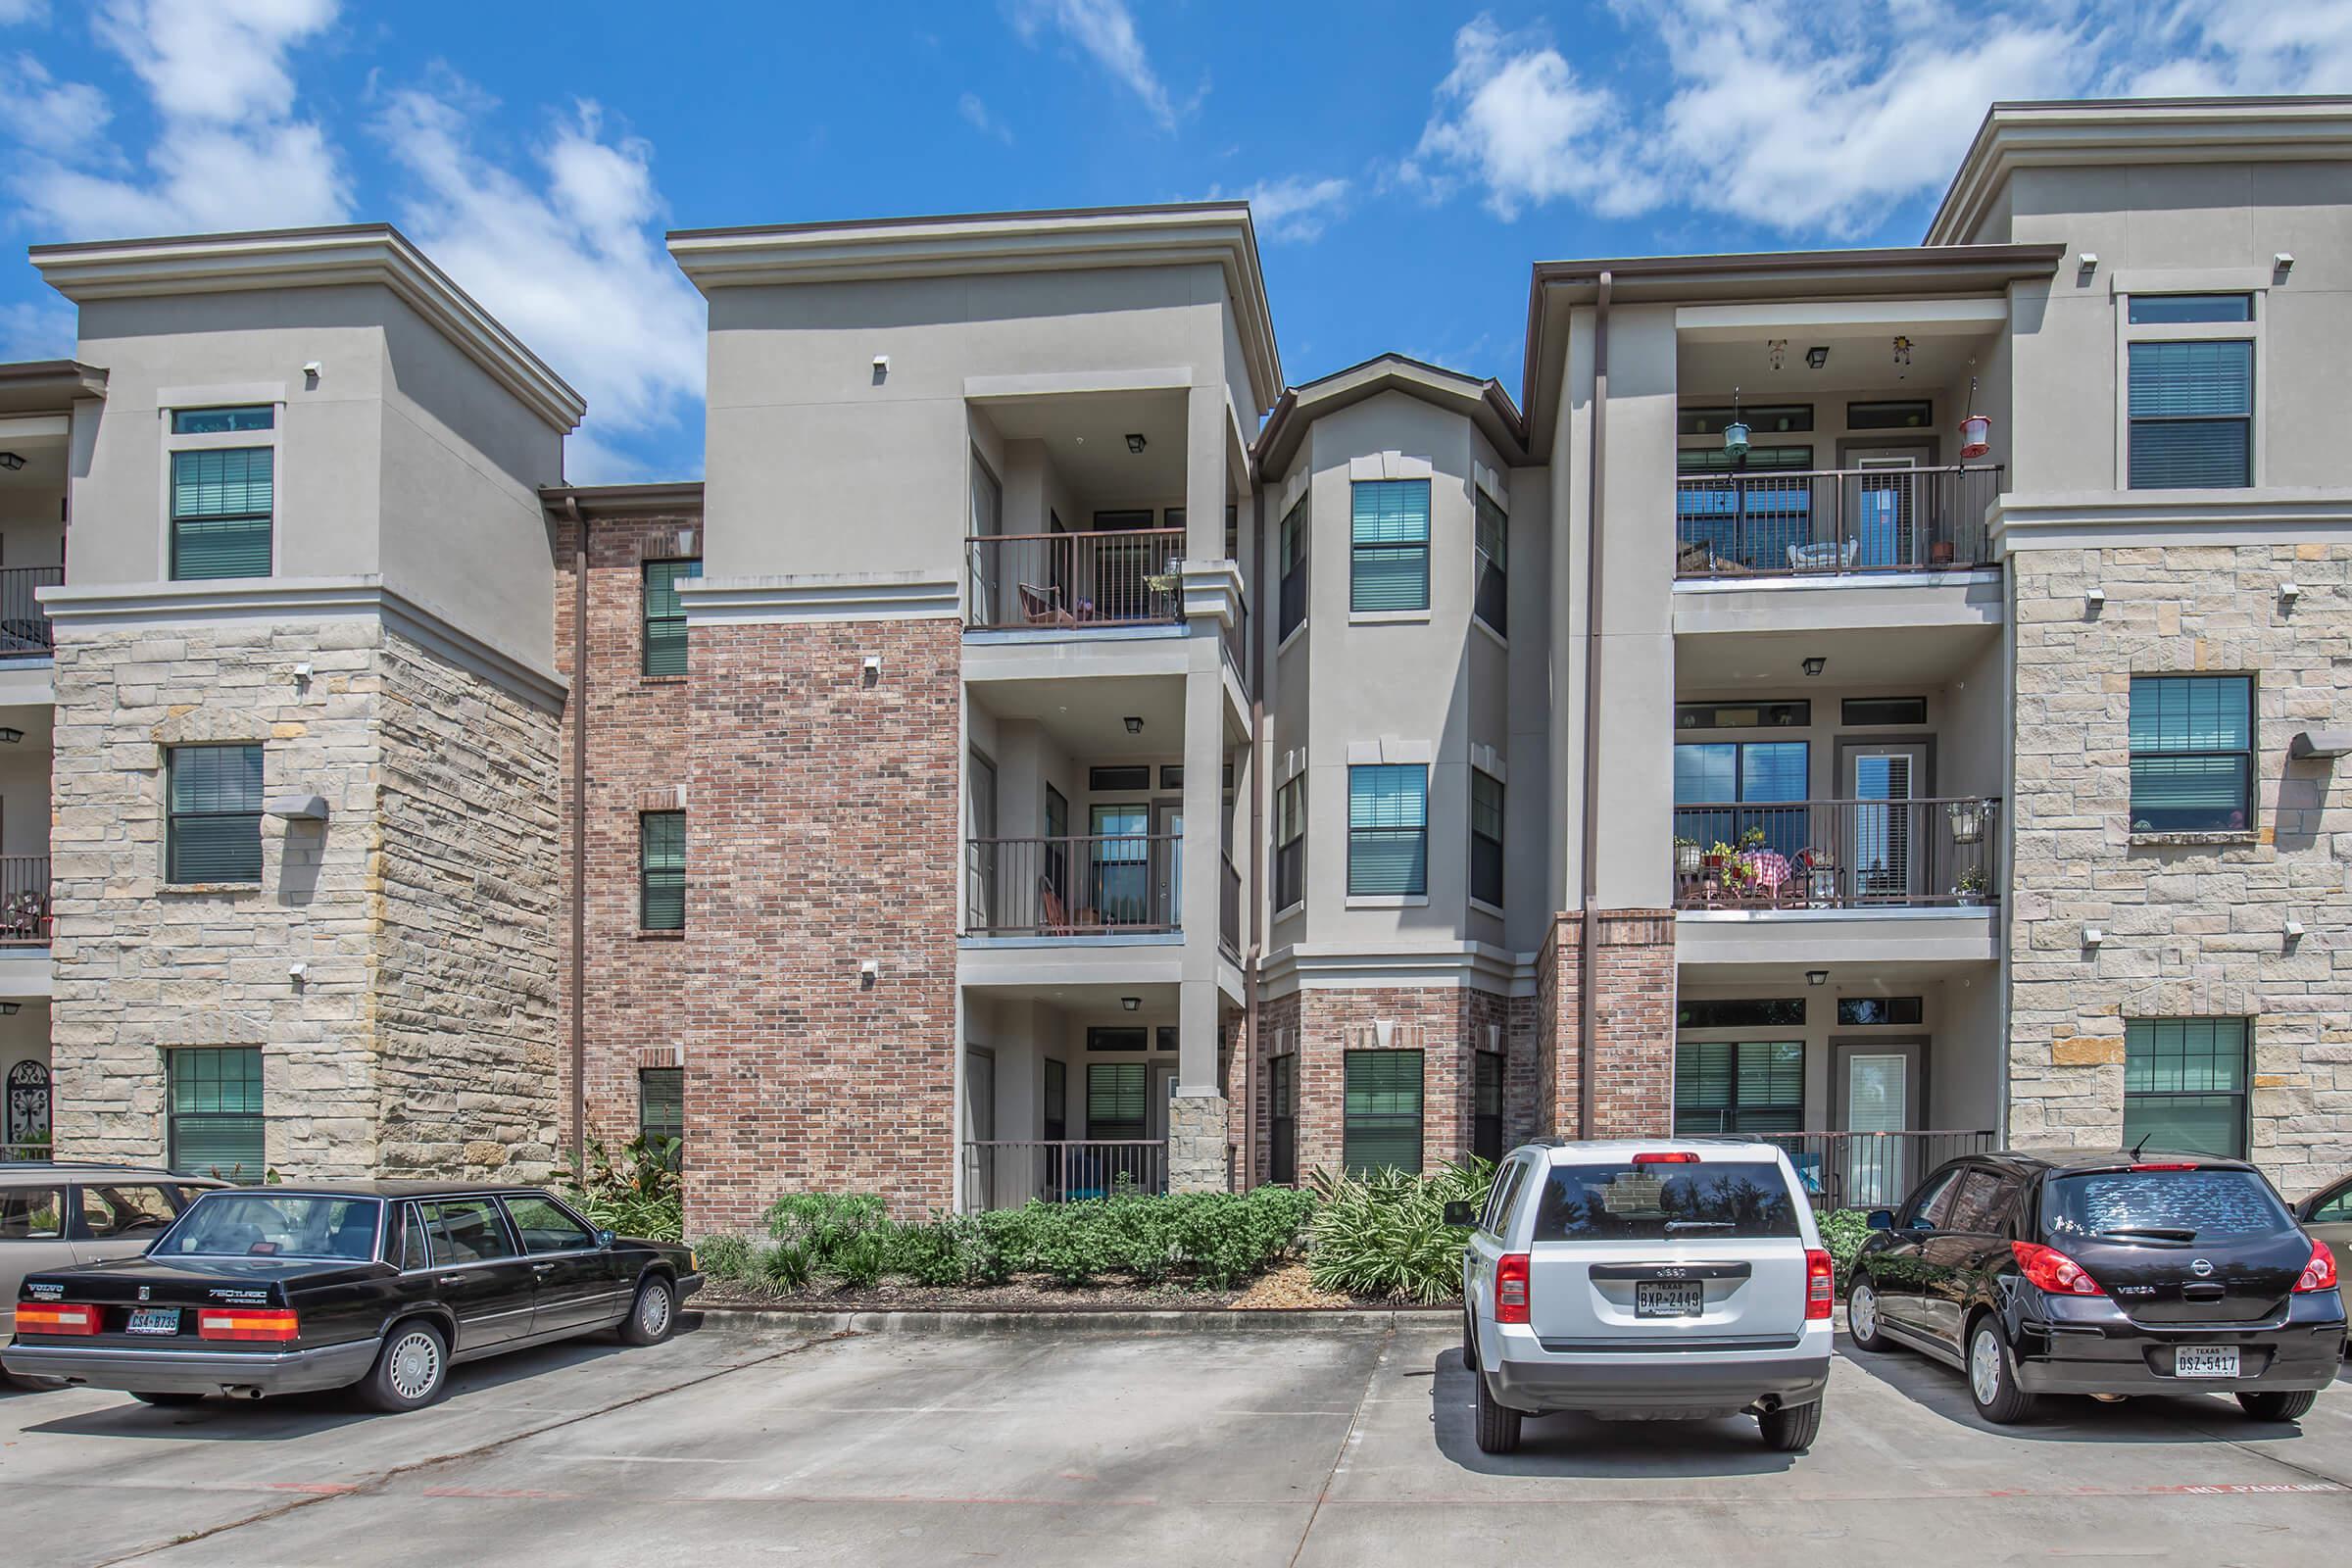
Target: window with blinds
[[1486, 1105], [661, 872], [664, 616], [1382, 1105], [220, 509], [215, 1126], [1491, 596], [2192, 415], [2185, 1085], [1486, 836], [1745, 1085], [661, 1102], [1294, 568], [1290, 843], [1114, 1100], [213, 819], [2193, 753], [1281, 1119], [1388, 828], [1389, 566]]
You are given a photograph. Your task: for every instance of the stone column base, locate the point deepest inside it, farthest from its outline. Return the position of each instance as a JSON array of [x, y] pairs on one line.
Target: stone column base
[[1197, 1152]]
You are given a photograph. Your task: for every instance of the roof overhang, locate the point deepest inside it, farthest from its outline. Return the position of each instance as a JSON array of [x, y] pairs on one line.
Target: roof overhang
[[2096, 132], [669, 498], [1483, 403], [1066, 240], [313, 258], [1909, 272], [48, 386]]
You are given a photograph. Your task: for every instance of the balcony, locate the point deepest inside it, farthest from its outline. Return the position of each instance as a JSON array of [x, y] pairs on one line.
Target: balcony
[[1838, 854], [1073, 886], [25, 631], [1075, 582], [1006, 1173], [1871, 1169], [24, 907], [1832, 522]]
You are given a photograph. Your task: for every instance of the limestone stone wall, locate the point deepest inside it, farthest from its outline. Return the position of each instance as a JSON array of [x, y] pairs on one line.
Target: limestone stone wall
[[2194, 925]]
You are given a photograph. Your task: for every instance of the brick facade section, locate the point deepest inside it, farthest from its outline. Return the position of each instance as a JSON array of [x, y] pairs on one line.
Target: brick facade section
[[1632, 1053], [822, 831]]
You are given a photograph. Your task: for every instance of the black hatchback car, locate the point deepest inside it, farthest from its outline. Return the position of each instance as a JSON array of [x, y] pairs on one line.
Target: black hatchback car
[[2103, 1274], [380, 1287]]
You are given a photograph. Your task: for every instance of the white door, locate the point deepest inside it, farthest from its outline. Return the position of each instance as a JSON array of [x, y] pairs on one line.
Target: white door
[[1878, 1100], [1153, 1175], [1884, 858], [1888, 506]]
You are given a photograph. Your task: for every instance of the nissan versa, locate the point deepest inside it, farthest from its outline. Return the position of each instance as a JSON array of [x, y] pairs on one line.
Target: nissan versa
[[2103, 1274]]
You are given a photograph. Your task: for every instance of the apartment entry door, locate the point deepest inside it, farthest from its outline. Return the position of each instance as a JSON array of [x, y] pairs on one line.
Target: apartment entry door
[[1888, 505], [1888, 859], [1167, 854], [979, 1126], [1878, 1086]]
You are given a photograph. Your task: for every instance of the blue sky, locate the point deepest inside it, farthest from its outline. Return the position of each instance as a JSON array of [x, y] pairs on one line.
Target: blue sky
[[1406, 162]]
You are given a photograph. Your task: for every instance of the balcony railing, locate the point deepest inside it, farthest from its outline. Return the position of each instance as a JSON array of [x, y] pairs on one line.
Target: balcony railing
[[1833, 521], [1871, 1170], [20, 1154], [1006, 1173], [1229, 909], [24, 916], [1836, 855], [1075, 581], [23, 624], [1063, 887]]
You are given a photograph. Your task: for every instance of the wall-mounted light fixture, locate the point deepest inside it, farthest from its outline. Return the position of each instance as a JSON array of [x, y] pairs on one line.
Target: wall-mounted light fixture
[[1135, 725], [298, 808], [12, 461], [2290, 592], [9, 736], [2093, 936], [8, 1009], [1816, 358], [2284, 261], [869, 972], [870, 668], [2294, 930], [2319, 745], [1131, 1004], [1816, 664], [311, 370], [2094, 599], [1135, 441], [298, 972], [2088, 260], [1817, 977]]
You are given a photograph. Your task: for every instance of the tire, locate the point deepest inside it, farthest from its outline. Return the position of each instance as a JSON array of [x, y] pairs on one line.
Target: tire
[[1469, 1341], [411, 1372], [2264, 1406], [1862, 1316], [1497, 1426], [653, 1316], [1992, 1375], [1791, 1427], [150, 1397]]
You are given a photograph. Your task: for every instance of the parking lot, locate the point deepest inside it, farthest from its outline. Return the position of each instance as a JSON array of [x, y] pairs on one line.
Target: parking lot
[[738, 1444]]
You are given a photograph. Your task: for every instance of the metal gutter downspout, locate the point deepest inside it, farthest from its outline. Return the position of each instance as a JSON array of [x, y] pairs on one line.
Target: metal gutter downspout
[[579, 837], [1587, 935], [1257, 848]]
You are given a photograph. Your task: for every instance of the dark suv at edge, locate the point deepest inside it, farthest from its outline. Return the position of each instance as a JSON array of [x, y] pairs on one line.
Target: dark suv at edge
[[2103, 1274]]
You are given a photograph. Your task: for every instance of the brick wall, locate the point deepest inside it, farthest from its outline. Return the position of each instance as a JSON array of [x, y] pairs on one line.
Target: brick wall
[[823, 830], [1633, 1053]]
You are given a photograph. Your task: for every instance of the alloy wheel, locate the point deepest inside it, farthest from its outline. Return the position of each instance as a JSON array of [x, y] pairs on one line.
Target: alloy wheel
[[1862, 1311], [415, 1370], [652, 1311], [1985, 1366]]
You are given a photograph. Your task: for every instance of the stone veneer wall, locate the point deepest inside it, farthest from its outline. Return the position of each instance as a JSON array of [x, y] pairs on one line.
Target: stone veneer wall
[[1632, 1055], [824, 830], [2194, 923]]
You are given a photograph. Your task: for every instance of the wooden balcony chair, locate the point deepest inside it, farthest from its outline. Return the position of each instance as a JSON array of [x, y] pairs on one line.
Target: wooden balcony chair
[[1054, 920], [1040, 608]]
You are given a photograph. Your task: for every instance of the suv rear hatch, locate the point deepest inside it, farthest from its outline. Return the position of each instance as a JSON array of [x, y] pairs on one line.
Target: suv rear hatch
[[2178, 1244], [1640, 1254]]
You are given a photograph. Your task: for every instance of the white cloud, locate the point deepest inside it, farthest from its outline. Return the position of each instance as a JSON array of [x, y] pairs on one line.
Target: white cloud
[[1105, 29], [1295, 207], [16, 11], [976, 114], [60, 119], [223, 60], [40, 330]]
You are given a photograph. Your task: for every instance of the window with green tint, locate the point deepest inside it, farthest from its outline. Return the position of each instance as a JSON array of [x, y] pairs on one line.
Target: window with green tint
[[661, 1102], [224, 421], [1383, 1130], [1290, 843], [1294, 568], [1486, 836], [1760, 418], [1390, 554], [1491, 596], [213, 821], [1742, 1086], [1388, 828], [1281, 1119], [1486, 1105], [661, 872], [664, 616], [2193, 753], [215, 1121], [1693, 462], [2192, 415], [2185, 1085], [220, 510], [2163, 309], [1742, 1012], [1114, 1099]]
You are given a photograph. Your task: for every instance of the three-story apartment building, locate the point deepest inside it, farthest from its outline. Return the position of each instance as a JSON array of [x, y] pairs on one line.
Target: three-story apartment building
[[1887, 700]]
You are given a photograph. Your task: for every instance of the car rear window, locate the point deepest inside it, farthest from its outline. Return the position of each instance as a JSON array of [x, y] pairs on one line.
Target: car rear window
[[1628, 1202], [252, 1224], [2197, 1204]]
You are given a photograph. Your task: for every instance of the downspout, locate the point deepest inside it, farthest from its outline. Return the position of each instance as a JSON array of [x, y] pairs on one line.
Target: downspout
[[1257, 849], [1588, 1011], [579, 837]]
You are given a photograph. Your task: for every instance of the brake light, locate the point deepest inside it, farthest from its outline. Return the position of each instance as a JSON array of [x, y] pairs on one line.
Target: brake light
[[2054, 1271], [2180, 1164], [1511, 1295], [247, 1323], [51, 1317], [1821, 1277], [2318, 1275], [1680, 1156]]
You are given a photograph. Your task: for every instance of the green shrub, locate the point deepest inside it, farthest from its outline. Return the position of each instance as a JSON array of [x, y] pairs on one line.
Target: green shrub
[[1385, 1235], [636, 1195], [1842, 1232], [729, 1257]]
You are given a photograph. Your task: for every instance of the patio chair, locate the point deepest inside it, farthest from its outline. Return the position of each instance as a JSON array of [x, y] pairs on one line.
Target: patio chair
[[1038, 607], [1827, 556], [1054, 920]]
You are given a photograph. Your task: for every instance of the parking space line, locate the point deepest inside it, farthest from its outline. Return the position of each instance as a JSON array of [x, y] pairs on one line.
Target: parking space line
[[1349, 1441]]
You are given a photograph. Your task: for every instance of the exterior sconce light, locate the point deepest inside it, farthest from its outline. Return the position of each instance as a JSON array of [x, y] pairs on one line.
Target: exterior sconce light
[[2088, 260], [297, 972], [2322, 744], [869, 972], [1816, 664], [1816, 358], [2284, 261], [2093, 936], [1131, 1004], [2290, 592], [8, 735], [870, 668], [1135, 441], [2294, 930], [1817, 977], [298, 808], [8, 1009], [2094, 599], [12, 461], [1135, 725]]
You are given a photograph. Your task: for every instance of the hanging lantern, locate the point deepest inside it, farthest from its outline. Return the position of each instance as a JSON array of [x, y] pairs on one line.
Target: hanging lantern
[[1735, 434], [1976, 431]]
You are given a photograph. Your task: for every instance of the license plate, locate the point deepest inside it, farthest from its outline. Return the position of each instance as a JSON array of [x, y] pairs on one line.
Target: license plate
[[2205, 1361], [153, 1320], [1668, 1297]]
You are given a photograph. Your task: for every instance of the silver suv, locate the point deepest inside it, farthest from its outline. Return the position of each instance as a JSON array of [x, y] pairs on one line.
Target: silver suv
[[1645, 1279], [57, 1216]]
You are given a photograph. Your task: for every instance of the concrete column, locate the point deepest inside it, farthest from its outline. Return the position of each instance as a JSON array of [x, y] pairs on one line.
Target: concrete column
[[1205, 475]]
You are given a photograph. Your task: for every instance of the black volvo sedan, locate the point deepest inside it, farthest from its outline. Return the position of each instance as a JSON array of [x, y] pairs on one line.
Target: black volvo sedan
[[381, 1288], [2103, 1274]]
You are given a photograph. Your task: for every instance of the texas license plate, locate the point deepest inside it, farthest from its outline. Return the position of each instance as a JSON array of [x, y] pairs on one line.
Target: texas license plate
[[2205, 1361], [153, 1320], [1668, 1297]]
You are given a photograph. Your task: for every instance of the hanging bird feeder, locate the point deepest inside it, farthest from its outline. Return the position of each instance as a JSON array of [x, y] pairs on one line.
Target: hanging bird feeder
[[1735, 434], [1976, 431]]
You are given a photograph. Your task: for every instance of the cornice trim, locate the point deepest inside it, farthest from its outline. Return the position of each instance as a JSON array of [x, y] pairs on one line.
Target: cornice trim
[[2106, 519], [1462, 965], [856, 596]]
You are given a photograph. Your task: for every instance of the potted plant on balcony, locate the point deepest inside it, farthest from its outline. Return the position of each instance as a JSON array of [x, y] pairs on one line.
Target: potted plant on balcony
[[1967, 819], [1688, 857], [1970, 889]]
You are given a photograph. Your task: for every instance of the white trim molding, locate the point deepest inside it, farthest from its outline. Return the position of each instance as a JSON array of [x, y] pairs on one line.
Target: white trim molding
[[1389, 466], [1210, 588], [1390, 749], [844, 596], [2105, 520], [1451, 966]]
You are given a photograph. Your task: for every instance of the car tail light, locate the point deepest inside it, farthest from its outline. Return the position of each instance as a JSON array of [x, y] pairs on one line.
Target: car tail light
[[1511, 1295], [247, 1323], [1679, 1156], [2177, 1164], [2318, 1275], [2054, 1271], [1821, 1277], [52, 1317]]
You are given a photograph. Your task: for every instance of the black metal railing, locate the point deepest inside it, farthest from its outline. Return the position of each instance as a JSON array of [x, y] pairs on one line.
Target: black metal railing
[[1871, 1170], [1838, 854], [25, 631], [1833, 521], [1074, 581], [25, 912], [1075, 886], [1006, 1173]]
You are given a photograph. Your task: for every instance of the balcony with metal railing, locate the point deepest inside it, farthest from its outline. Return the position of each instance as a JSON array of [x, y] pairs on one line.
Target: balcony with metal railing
[[1838, 854], [1828, 522], [1073, 886], [1099, 581], [24, 630]]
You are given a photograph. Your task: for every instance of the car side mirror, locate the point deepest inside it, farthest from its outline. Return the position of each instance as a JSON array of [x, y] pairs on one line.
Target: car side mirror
[[1881, 1219], [1463, 1214], [605, 1238]]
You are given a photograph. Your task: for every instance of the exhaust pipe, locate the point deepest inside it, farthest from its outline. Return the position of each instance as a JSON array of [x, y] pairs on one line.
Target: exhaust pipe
[[240, 1391]]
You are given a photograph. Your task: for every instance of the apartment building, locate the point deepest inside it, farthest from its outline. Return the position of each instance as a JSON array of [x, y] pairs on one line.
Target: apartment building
[[1887, 700]]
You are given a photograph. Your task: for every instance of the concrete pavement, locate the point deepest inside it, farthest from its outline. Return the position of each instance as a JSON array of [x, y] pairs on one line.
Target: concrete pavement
[[734, 1444]]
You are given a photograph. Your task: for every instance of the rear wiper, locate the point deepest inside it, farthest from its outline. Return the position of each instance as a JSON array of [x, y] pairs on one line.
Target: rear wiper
[[1698, 1224], [2152, 1233]]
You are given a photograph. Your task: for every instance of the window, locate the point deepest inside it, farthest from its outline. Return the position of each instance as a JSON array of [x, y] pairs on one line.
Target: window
[[662, 870], [661, 1102], [1496, 1218], [1713, 774], [1890, 415], [1486, 1105], [1282, 1120], [1745, 1085], [2185, 1085], [1986, 1202], [1869, 711], [1760, 418], [1294, 568], [1114, 1100], [1865, 1010], [215, 1121], [221, 496], [1056, 1108], [1722, 1199], [32, 1213], [1120, 778], [407, 1248], [268, 1223], [2192, 415], [1388, 829], [224, 421], [1742, 715], [545, 1227], [1740, 1012], [1932, 1206], [664, 616], [1486, 836], [1382, 1129], [213, 827], [1713, 462], [467, 1230], [1390, 554], [110, 1212], [1122, 1037], [2193, 753], [2167, 308], [1491, 596], [1290, 844]]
